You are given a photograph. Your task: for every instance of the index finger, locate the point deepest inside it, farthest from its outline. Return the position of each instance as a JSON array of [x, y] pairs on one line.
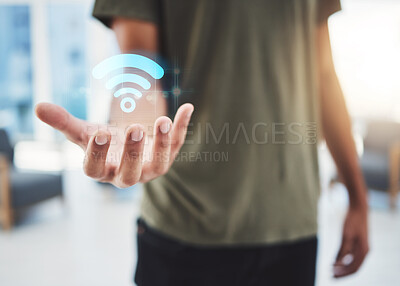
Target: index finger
[[57, 117], [179, 127], [342, 269]]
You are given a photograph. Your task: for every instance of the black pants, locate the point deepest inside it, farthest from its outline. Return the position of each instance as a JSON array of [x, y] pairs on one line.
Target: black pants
[[163, 261]]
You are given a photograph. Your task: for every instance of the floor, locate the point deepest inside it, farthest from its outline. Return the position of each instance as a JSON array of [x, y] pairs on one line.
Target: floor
[[88, 239]]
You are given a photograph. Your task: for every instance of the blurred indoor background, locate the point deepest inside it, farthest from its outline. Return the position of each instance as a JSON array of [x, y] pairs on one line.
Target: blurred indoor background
[[79, 232]]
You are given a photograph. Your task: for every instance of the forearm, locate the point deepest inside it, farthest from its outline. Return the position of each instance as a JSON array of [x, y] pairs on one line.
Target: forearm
[[138, 37], [336, 126], [336, 123]]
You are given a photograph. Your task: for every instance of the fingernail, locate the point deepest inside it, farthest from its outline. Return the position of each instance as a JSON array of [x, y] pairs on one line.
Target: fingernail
[[137, 135], [164, 128], [101, 139], [337, 270], [189, 114]]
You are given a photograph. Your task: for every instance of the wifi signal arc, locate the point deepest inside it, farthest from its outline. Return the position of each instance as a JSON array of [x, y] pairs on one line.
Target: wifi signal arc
[[128, 61], [128, 90], [133, 78]]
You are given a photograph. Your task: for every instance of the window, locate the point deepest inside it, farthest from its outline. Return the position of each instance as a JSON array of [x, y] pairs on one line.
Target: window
[[366, 43], [15, 70], [68, 62], [43, 57]]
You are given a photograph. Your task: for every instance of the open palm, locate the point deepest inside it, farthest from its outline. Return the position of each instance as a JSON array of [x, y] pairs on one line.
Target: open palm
[[119, 158]]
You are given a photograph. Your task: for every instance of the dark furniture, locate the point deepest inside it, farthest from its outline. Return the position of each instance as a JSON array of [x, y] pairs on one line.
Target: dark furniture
[[380, 161], [20, 189]]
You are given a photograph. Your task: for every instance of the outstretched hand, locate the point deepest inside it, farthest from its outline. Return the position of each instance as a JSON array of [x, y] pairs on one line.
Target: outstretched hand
[[354, 246], [119, 161]]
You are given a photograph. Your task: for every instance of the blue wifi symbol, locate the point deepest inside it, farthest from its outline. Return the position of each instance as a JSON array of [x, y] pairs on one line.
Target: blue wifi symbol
[[128, 61]]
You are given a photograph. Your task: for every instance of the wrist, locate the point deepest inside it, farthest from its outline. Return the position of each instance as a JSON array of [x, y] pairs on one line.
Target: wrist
[[358, 194], [359, 203], [358, 198]]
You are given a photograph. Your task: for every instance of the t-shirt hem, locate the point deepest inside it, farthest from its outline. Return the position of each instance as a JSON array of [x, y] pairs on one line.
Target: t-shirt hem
[[270, 238]]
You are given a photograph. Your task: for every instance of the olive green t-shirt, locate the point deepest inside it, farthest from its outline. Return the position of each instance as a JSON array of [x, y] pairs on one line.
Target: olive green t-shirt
[[248, 172]]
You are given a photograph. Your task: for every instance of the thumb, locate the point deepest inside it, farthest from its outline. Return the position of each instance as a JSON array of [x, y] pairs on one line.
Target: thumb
[[58, 118], [54, 115], [345, 248]]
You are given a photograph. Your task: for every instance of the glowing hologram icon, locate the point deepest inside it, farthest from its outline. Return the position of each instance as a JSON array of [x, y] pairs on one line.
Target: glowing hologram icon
[[128, 61], [134, 78], [127, 90], [131, 107]]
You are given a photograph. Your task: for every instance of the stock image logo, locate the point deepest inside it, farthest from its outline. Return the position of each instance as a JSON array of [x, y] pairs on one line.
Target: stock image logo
[[116, 82]]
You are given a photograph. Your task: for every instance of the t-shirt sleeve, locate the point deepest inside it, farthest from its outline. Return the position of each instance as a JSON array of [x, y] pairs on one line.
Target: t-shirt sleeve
[[327, 8], [146, 10]]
